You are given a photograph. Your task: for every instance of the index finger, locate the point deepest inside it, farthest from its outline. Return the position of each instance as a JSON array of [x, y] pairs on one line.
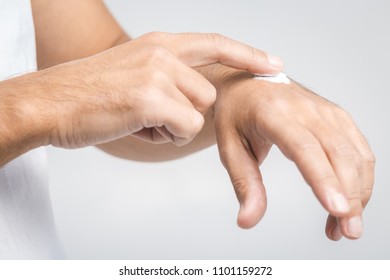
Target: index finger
[[201, 49]]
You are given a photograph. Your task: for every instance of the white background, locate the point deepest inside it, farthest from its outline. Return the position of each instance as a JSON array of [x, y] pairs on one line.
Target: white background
[[106, 208]]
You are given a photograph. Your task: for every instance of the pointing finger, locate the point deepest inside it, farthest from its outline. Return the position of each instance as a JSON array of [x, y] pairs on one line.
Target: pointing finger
[[201, 49]]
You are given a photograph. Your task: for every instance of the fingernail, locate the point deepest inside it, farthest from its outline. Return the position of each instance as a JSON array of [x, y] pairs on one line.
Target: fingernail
[[336, 233], [355, 227], [275, 61], [339, 203]]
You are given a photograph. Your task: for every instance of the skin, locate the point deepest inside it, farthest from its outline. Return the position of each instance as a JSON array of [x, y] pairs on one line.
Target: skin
[[146, 87], [320, 137], [83, 96]]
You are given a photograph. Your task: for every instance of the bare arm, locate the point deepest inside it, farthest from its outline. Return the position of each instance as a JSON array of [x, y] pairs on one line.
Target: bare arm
[[73, 29], [68, 30], [146, 88], [60, 39], [341, 175]]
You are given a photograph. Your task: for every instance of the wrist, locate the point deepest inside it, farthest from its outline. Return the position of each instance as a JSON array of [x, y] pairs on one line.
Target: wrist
[[24, 122]]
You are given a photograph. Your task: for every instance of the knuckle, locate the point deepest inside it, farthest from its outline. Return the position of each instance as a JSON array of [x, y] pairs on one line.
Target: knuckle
[[369, 157], [340, 111], [343, 150], [354, 194], [342, 115], [321, 180], [240, 187], [310, 107], [366, 196], [254, 56], [367, 192], [156, 77], [204, 97], [218, 40], [196, 123], [212, 95], [254, 53], [209, 97], [225, 148], [329, 111], [158, 55], [360, 165], [154, 37]]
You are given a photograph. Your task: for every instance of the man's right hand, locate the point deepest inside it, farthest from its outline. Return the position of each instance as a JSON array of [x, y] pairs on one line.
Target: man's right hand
[[146, 87]]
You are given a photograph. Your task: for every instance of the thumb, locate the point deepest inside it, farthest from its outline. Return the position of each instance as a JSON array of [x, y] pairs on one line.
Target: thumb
[[245, 176]]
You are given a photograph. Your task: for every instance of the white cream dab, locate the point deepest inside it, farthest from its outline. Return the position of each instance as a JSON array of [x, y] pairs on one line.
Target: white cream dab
[[279, 78]]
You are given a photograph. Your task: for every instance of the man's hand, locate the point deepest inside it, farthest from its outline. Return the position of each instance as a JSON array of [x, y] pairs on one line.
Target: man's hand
[[146, 88], [320, 137]]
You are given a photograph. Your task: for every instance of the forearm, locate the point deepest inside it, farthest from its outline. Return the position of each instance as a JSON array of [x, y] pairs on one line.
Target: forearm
[[24, 124], [73, 29], [30, 106]]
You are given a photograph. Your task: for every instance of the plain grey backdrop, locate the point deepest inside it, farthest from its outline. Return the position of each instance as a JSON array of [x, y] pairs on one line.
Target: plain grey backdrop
[[107, 208]]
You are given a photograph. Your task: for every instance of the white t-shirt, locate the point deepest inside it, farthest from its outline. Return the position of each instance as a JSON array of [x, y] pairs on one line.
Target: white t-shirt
[[27, 228]]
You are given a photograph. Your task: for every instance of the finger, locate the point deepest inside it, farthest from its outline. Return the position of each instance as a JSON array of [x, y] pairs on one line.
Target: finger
[[184, 123], [167, 92], [368, 168], [200, 49], [347, 165], [332, 229], [246, 179], [165, 134], [198, 90], [174, 77], [152, 135], [180, 120], [299, 145]]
